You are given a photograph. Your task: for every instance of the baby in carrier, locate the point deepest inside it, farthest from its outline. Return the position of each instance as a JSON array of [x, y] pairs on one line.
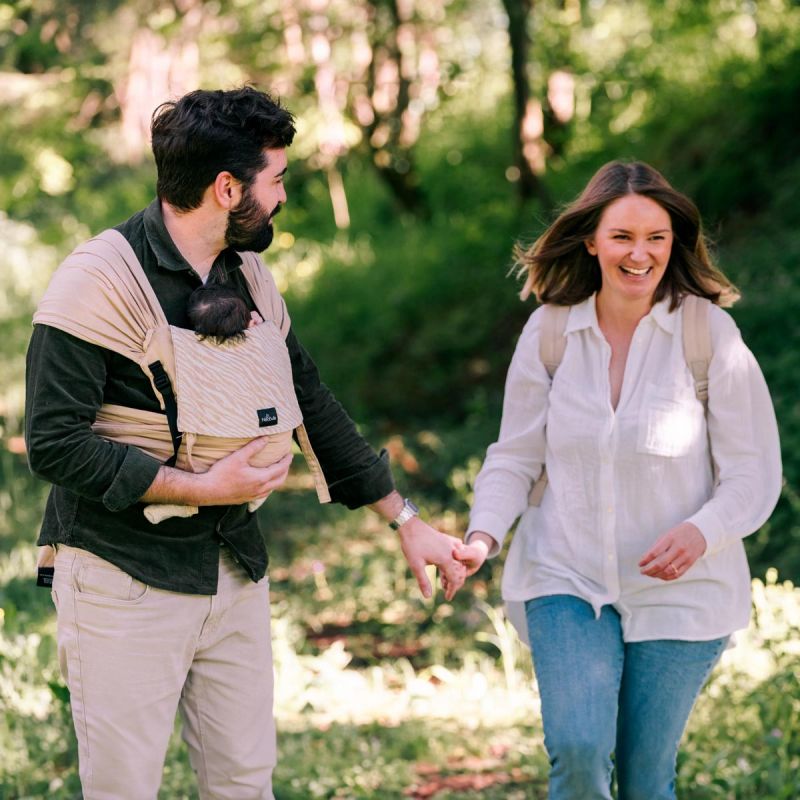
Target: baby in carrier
[[220, 318], [219, 312]]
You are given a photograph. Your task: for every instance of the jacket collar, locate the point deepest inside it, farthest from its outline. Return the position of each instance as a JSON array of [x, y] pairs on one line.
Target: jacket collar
[[167, 254]]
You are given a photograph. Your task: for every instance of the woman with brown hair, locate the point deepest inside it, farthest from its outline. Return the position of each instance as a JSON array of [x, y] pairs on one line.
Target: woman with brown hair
[[632, 569]]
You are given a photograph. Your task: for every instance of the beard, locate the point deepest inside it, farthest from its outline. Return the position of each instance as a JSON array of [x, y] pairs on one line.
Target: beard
[[250, 225]]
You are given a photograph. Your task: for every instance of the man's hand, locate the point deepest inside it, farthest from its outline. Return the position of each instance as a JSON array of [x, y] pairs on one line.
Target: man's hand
[[674, 553], [230, 481], [423, 545]]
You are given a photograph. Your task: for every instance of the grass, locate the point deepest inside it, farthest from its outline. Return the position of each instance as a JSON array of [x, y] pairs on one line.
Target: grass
[[381, 694]]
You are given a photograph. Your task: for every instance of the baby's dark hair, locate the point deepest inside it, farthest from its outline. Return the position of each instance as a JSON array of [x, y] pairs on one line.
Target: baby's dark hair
[[218, 312]]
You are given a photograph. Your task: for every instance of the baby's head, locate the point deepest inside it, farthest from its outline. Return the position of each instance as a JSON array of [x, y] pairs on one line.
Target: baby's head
[[218, 312]]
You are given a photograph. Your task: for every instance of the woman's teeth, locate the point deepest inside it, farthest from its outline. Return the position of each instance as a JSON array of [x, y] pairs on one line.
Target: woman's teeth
[[632, 271]]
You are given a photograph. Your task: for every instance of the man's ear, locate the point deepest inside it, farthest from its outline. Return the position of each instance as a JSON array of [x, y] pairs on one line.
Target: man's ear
[[227, 190], [591, 246]]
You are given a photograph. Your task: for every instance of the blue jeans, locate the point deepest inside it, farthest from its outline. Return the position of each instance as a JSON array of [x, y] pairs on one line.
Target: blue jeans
[[601, 695]]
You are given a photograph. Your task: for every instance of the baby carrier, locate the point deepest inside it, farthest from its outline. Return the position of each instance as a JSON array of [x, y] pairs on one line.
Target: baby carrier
[[215, 398]]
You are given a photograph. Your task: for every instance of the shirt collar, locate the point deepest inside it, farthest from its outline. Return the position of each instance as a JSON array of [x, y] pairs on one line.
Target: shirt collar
[[584, 315], [661, 314], [167, 254]]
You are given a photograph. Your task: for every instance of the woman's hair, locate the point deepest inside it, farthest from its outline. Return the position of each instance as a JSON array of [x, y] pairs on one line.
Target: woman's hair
[[559, 269], [218, 312], [208, 132]]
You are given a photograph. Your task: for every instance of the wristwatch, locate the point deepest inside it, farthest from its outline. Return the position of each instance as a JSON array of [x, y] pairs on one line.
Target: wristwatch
[[409, 510]]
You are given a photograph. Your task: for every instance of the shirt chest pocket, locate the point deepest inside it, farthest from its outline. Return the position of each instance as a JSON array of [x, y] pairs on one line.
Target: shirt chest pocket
[[670, 421]]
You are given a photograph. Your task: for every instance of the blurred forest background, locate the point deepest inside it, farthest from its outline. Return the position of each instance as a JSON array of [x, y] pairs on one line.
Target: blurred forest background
[[431, 136]]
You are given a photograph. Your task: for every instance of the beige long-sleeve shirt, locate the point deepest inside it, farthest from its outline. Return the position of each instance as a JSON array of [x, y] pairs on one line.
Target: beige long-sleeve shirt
[[619, 479]]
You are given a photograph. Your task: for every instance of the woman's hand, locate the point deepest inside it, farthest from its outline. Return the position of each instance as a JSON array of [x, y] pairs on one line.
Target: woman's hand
[[674, 553], [473, 555]]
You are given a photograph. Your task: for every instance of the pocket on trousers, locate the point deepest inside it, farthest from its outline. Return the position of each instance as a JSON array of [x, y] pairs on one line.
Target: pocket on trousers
[[107, 584]]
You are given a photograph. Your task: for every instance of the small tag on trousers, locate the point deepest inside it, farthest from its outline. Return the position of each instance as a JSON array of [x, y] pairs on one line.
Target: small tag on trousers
[[44, 577]]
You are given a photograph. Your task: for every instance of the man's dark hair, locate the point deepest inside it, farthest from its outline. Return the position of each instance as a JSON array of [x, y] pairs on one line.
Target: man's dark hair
[[208, 132], [218, 312]]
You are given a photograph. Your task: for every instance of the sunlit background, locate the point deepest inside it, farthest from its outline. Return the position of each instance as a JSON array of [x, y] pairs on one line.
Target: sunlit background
[[431, 136]]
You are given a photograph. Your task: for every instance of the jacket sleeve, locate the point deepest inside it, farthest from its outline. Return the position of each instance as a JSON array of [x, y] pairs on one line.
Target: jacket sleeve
[[355, 473], [65, 377], [743, 435]]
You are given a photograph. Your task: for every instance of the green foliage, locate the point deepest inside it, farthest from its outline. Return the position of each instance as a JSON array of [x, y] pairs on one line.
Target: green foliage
[[412, 322]]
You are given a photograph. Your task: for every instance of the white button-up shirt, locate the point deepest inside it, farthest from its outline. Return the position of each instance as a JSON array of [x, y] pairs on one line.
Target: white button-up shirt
[[619, 479]]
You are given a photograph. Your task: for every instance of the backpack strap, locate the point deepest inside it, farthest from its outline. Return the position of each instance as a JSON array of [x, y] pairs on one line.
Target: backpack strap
[[697, 347], [552, 344]]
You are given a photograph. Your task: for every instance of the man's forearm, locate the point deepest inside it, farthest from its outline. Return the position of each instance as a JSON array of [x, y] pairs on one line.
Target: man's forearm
[[230, 481], [176, 486], [389, 507]]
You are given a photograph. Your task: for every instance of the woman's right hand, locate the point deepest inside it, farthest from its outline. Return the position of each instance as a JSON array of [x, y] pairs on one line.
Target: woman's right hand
[[473, 555]]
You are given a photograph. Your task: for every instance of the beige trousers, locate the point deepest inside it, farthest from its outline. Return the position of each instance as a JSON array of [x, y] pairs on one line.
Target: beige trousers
[[132, 655]]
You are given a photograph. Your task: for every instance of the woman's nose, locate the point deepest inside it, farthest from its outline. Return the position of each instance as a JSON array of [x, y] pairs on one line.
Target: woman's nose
[[638, 252]]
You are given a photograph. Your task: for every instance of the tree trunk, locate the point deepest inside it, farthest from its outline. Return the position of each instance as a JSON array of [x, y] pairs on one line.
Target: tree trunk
[[391, 156], [528, 141]]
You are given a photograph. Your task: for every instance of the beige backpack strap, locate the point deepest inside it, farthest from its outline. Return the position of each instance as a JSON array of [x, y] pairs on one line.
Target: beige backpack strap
[[552, 344], [697, 348]]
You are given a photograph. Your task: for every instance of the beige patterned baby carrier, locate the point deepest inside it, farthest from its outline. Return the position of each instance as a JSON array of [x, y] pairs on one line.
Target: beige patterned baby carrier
[[215, 397]]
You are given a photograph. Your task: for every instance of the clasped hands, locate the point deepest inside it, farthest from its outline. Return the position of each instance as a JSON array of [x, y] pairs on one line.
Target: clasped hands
[[672, 555], [669, 558]]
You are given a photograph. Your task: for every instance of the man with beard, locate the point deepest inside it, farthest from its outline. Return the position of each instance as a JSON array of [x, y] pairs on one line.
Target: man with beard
[[155, 618]]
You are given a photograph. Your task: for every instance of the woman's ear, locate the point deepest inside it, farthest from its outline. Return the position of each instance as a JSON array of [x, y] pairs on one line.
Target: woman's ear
[[590, 246]]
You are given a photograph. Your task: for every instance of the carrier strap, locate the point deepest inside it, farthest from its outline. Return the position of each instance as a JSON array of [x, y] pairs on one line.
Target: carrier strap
[[164, 385]]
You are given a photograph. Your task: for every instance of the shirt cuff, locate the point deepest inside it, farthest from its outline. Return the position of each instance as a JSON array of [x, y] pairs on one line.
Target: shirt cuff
[[366, 486], [491, 523], [712, 529], [136, 473]]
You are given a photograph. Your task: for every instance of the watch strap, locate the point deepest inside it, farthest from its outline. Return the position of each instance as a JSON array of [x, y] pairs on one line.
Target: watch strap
[[408, 511]]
